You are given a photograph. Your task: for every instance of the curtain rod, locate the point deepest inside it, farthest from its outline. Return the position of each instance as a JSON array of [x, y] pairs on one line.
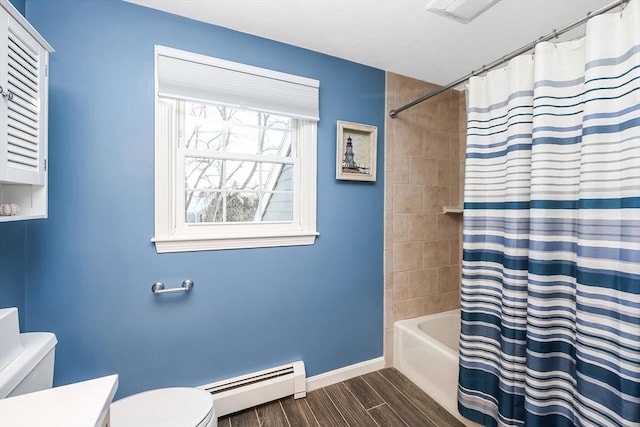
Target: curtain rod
[[555, 33]]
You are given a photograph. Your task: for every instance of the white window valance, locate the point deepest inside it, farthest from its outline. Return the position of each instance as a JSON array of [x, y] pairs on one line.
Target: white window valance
[[191, 76]]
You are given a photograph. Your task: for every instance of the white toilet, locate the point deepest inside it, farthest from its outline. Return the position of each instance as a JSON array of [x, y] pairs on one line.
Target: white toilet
[[165, 407], [32, 371]]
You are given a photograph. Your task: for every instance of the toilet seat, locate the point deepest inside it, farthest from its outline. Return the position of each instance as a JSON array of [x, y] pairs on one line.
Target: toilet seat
[[165, 407]]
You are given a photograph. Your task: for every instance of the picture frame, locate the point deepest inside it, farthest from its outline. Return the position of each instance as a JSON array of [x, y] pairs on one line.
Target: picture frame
[[356, 148]]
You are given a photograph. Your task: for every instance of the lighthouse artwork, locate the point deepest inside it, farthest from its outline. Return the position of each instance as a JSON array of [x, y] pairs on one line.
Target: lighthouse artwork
[[348, 164], [356, 151]]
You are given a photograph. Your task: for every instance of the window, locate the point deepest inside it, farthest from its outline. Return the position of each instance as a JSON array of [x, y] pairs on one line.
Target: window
[[235, 155]]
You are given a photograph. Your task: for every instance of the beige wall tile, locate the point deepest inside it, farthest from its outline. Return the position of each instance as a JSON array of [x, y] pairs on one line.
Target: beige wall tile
[[407, 198], [437, 145], [390, 83], [455, 97], [401, 289], [408, 89], [448, 279], [442, 302], [425, 116], [448, 118], [407, 140], [388, 269], [408, 308], [389, 157], [456, 147], [462, 126], [449, 173], [388, 347], [389, 146], [424, 149], [436, 253], [423, 282], [435, 198], [443, 98], [407, 256], [388, 194], [401, 227], [388, 230], [423, 171], [400, 174], [388, 312], [449, 226], [455, 196], [448, 301], [422, 227], [455, 255]]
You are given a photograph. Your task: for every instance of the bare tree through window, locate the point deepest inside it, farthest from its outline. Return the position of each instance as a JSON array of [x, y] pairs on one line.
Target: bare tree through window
[[235, 164]]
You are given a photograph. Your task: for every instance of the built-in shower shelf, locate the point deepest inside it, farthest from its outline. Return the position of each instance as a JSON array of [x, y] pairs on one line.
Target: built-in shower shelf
[[452, 210]]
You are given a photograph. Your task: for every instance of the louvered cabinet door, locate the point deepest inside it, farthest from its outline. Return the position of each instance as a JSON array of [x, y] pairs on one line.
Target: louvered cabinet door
[[24, 81]]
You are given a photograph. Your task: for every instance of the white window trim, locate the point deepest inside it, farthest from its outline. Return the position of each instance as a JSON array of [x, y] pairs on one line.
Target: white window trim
[[169, 238]]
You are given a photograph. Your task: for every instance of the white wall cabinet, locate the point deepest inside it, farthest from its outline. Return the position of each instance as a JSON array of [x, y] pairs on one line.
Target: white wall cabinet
[[24, 68]]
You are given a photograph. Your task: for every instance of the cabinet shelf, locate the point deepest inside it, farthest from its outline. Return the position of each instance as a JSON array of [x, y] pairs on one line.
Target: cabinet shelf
[[20, 217], [32, 200]]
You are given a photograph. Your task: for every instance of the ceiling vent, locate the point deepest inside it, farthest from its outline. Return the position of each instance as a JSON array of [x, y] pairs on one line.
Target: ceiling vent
[[460, 10]]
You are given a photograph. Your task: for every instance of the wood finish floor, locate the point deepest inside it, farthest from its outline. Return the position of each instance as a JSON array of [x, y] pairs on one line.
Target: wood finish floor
[[381, 398]]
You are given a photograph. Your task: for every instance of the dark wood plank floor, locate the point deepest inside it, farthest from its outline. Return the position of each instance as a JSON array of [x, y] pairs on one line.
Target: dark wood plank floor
[[381, 398]]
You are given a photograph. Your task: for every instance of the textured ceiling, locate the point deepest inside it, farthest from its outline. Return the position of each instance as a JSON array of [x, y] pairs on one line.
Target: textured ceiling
[[394, 35]]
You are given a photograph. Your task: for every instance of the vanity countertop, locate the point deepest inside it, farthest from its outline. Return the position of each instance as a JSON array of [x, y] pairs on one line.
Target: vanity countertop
[[83, 404]]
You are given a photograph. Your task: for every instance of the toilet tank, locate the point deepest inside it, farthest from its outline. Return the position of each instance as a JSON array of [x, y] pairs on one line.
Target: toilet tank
[[32, 369]]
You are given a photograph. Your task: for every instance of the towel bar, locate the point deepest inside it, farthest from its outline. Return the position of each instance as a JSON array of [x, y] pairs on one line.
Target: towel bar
[[159, 288]]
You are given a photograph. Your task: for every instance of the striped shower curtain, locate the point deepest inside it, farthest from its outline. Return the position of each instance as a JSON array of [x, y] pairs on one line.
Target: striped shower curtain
[[551, 265]]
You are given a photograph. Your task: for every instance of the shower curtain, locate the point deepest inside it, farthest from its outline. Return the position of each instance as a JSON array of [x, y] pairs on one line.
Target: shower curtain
[[551, 261]]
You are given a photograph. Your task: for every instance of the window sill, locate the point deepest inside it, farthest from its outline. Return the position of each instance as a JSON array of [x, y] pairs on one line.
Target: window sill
[[191, 244]]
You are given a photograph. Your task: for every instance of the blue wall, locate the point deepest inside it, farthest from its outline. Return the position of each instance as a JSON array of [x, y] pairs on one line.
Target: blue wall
[[19, 4], [91, 264]]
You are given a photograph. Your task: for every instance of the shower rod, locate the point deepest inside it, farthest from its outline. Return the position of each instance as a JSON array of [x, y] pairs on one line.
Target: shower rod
[[555, 33]]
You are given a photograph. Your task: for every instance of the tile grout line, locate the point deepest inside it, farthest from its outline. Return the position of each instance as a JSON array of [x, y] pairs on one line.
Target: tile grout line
[[409, 400], [312, 413], [377, 406], [334, 405], [385, 402], [286, 417], [360, 403], [376, 423]]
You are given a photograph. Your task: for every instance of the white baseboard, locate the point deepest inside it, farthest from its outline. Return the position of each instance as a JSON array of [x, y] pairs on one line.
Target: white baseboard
[[342, 374]]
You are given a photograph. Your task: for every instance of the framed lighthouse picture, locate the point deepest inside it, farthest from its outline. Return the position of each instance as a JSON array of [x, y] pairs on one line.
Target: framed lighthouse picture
[[356, 151]]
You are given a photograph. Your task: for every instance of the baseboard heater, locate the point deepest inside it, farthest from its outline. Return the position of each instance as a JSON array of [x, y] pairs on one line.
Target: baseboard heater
[[246, 391]]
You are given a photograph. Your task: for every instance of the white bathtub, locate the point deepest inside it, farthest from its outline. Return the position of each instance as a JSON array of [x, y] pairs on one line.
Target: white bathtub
[[425, 350]]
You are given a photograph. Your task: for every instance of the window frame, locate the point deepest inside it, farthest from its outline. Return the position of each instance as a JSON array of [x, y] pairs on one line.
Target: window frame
[[172, 234]]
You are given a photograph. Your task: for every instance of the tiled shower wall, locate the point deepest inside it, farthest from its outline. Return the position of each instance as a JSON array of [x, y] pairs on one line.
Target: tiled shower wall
[[423, 173]]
